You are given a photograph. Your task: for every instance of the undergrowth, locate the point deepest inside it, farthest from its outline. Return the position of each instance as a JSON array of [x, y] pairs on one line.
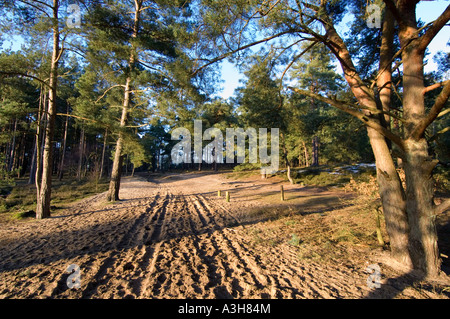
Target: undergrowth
[[21, 200]]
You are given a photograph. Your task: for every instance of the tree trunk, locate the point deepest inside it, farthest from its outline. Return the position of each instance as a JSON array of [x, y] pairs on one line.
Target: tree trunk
[[103, 154], [423, 246], [418, 165], [315, 154], [305, 150], [390, 189], [63, 151], [421, 230], [286, 161], [13, 148], [44, 189], [114, 184], [32, 177], [116, 172], [392, 198], [37, 167], [81, 154], [390, 186]]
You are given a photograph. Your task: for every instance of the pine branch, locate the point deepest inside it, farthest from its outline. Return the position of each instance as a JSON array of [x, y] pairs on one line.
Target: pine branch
[[230, 53], [434, 86], [15, 73], [434, 112], [359, 115], [431, 32]]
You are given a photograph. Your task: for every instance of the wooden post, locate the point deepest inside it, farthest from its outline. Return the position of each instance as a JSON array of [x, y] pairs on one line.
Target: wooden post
[[219, 193], [227, 195], [282, 193]]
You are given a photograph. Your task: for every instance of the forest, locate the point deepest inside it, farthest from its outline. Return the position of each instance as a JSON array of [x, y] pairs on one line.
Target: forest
[[93, 91]]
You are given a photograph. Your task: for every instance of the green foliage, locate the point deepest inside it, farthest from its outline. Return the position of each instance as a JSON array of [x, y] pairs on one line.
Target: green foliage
[[6, 179], [260, 102], [135, 151]]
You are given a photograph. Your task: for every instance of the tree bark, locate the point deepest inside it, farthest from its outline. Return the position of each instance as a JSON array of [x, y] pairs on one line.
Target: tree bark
[[116, 172], [418, 165], [44, 189], [391, 189], [392, 198], [114, 185]]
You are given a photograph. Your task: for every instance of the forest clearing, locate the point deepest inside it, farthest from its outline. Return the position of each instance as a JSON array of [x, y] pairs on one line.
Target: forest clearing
[[172, 236]]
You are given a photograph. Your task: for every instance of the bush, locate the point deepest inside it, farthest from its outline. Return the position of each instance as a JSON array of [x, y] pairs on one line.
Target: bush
[[246, 167]]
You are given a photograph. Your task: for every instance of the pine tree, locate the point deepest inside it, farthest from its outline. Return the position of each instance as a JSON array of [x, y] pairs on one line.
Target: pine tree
[[136, 41]]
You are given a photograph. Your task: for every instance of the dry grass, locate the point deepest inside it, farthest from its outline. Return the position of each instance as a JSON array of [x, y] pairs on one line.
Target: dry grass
[[320, 231], [21, 202]]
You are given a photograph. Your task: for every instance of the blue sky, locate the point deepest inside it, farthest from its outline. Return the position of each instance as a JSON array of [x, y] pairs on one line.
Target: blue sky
[[427, 11]]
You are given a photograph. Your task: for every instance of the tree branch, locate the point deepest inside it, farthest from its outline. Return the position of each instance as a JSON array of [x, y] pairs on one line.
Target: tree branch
[[434, 86], [107, 90], [77, 117], [298, 56], [359, 115], [442, 207], [431, 32], [393, 8], [25, 75], [434, 112], [227, 54]]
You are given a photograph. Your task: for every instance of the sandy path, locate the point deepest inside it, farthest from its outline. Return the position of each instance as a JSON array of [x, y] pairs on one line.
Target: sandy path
[[170, 238]]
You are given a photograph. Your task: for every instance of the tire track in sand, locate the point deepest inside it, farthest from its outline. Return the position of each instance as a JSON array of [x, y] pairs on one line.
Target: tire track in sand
[[103, 270]]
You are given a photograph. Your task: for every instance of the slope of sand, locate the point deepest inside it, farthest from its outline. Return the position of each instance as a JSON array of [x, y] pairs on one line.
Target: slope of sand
[[170, 236]]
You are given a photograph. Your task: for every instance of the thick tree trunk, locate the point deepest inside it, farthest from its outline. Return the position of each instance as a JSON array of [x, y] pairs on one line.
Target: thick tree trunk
[[418, 165], [44, 189], [390, 188], [423, 246], [392, 198]]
